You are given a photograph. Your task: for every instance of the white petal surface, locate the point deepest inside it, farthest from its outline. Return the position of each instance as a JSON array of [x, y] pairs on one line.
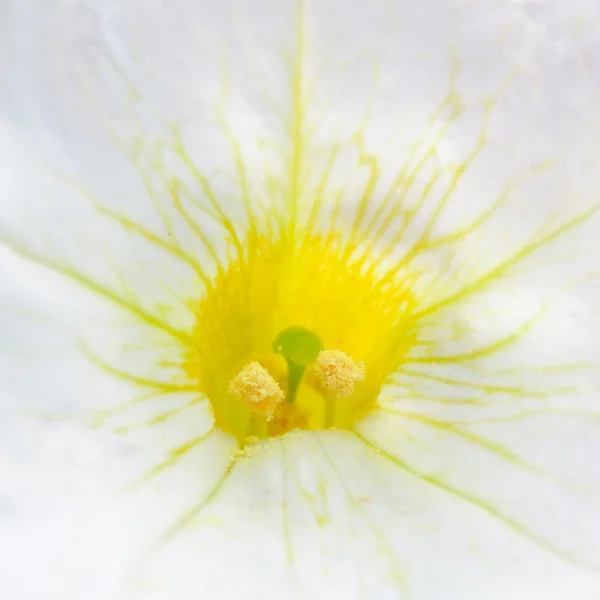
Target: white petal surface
[[487, 482]]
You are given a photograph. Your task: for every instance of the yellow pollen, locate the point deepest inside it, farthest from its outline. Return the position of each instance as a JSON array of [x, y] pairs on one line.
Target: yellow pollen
[[336, 372], [255, 385]]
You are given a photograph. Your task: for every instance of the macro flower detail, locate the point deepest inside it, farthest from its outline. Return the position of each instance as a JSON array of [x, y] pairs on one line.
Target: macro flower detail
[[301, 301], [255, 385], [337, 373]]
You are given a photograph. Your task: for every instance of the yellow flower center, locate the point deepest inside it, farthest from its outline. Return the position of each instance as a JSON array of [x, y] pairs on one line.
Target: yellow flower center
[[336, 294]]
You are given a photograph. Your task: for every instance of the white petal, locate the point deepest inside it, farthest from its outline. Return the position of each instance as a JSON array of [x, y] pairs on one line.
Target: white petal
[[319, 515], [313, 515]]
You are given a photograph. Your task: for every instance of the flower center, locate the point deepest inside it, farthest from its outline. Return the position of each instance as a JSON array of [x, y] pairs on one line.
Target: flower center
[[299, 334]]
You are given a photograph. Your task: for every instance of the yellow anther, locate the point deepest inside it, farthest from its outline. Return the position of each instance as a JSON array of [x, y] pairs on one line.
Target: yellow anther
[[336, 373], [255, 385]]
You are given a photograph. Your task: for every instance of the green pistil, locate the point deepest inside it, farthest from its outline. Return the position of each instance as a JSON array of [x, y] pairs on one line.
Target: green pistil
[[300, 347]]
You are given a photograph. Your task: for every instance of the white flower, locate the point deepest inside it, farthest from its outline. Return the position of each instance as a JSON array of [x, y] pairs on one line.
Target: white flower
[[299, 300]]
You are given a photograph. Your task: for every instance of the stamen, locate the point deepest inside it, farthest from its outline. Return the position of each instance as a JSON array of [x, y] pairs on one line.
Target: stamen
[[336, 372], [255, 385]]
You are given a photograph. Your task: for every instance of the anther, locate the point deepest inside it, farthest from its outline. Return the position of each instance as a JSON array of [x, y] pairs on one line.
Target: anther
[[336, 373], [255, 386]]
